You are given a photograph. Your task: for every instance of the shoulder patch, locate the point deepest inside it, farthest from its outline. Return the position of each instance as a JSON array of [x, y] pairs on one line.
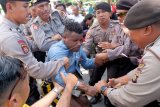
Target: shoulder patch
[[88, 35], [24, 46], [138, 71]]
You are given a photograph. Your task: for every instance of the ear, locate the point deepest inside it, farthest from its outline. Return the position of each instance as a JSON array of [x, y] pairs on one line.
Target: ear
[[13, 101], [110, 14], [9, 7], [148, 30]]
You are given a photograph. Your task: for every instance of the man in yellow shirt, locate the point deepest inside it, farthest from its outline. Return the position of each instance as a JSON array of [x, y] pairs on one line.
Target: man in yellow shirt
[[14, 83]]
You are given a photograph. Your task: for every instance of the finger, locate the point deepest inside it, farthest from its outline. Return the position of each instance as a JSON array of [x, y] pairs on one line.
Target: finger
[[62, 75], [99, 45], [104, 51]]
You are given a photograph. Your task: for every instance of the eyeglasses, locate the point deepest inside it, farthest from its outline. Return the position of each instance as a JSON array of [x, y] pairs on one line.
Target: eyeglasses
[[20, 77], [120, 14]]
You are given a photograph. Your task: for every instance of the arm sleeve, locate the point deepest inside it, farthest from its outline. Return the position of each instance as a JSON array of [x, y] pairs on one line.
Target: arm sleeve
[[52, 55], [144, 91], [124, 44], [33, 46], [43, 42], [86, 62], [88, 42], [11, 47]]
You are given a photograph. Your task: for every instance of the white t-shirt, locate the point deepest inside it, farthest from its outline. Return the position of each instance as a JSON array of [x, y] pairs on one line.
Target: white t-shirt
[[78, 18]]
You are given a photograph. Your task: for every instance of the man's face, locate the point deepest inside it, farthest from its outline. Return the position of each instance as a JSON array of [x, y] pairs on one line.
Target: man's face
[[121, 15], [138, 37], [20, 92], [43, 10], [24, 92], [73, 41], [90, 21], [33, 12], [20, 12], [75, 11], [61, 10], [102, 16]]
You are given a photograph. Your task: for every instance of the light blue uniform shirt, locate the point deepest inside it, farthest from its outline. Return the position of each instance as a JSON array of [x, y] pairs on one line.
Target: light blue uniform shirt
[[60, 50]]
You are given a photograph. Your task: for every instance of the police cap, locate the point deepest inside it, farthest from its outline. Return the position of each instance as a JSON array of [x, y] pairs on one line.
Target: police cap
[[125, 4], [142, 14], [35, 2], [4, 1], [104, 6]]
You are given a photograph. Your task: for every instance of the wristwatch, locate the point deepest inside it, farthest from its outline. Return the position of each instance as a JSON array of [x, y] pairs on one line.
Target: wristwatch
[[76, 86], [103, 89], [56, 91]]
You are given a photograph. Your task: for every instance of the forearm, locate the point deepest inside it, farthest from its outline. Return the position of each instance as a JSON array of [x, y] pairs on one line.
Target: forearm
[[67, 93], [122, 80], [46, 101], [116, 53], [83, 86]]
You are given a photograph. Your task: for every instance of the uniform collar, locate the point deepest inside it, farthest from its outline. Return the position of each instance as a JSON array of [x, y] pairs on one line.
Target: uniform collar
[[157, 41], [10, 23], [110, 25], [63, 45], [52, 17]]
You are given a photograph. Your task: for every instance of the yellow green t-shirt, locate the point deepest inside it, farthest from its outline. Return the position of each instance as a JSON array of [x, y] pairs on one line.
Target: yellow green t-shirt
[[25, 105]]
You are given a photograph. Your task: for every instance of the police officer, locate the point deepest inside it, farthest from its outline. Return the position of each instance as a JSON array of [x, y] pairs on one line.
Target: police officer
[[48, 27], [141, 85], [108, 37], [13, 43]]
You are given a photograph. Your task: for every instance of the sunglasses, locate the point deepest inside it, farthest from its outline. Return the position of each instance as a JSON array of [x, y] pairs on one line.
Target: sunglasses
[[121, 14]]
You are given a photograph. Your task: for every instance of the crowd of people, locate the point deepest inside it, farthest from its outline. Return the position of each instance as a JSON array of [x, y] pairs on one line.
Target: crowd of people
[[38, 41]]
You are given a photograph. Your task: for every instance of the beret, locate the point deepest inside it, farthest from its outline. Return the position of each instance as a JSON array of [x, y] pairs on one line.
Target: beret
[[35, 2], [125, 4], [104, 6], [4, 1], [142, 14]]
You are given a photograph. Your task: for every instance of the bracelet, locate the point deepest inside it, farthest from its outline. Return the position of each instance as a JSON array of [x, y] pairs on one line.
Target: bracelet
[[56, 91], [76, 86]]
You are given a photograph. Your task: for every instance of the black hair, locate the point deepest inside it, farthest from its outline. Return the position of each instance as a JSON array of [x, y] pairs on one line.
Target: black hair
[[3, 4], [72, 26], [61, 4], [88, 17], [104, 6], [81, 2], [68, 4], [10, 70]]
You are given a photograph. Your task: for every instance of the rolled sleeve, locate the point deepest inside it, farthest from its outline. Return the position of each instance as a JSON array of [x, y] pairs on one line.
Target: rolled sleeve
[[144, 91]]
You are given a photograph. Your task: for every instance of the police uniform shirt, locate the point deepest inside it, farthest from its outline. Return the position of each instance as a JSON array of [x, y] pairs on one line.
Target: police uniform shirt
[[113, 34], [14, 44], [144, 85], [26, 27], [42, 32]]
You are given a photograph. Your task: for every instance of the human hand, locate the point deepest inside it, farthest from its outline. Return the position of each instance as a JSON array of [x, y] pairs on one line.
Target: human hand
[[114, 83], [66, 62], [62, 13], [57, 37], [100, 84], [126, 30], [101, 58], [29, 37], [58, 87], [70, 80], [91, 91], [107, 45]]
